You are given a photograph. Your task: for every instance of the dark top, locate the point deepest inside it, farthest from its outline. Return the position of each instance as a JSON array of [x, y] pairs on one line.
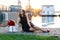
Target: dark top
[[23, 21]]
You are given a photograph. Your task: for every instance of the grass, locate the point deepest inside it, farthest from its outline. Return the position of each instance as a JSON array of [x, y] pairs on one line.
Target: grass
[[26, 37]]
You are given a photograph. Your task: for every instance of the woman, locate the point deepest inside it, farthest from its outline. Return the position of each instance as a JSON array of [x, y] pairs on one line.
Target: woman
[[26, 25], [23, 21]]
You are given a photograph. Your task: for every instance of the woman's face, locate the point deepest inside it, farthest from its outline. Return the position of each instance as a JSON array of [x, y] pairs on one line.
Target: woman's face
[[22, 12]]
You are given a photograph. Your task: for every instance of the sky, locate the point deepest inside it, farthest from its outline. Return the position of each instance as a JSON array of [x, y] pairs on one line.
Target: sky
[[37, 4]]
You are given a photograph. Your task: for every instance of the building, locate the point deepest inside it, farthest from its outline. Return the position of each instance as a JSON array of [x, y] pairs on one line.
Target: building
[[14, 8], [4, 8], [48, 10]]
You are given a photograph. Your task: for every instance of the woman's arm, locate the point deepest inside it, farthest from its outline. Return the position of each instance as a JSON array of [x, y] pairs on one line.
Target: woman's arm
[[28, 21]]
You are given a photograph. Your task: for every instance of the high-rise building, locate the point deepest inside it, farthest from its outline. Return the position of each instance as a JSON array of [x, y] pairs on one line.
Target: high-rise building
[[47, 10], [14, 8]]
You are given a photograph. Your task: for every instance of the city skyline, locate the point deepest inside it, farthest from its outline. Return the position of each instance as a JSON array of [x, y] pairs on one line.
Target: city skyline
[[36, 4]]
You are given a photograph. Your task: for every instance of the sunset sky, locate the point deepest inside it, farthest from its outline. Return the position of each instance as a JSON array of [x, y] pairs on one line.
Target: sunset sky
[[37, 4]]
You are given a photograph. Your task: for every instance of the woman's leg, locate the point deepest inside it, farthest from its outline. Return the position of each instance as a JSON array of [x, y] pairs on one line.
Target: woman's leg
[[35, 28], [39, 29]]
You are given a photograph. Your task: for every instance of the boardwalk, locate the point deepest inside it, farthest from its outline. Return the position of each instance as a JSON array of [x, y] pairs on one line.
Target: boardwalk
[[53, 31]]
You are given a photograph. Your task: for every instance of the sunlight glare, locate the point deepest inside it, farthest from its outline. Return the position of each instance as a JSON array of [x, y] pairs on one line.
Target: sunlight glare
[[35, 4]]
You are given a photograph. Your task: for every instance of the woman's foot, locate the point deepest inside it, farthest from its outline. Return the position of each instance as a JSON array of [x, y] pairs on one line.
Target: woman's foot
[[46, 31]]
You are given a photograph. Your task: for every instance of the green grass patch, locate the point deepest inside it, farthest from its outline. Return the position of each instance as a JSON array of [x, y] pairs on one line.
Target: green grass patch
[[26, 37]]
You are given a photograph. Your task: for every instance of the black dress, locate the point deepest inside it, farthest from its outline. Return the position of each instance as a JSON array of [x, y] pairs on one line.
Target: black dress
[[25, 26]]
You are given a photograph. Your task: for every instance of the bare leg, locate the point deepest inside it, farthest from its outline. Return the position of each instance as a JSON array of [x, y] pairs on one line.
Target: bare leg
[[39, 29], [35, 28]]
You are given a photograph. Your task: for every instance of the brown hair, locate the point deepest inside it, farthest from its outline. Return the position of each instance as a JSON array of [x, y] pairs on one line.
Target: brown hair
[[23, 13]]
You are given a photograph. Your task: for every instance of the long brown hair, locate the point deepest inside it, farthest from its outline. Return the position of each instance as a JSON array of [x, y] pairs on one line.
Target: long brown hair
[[23, 13]]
